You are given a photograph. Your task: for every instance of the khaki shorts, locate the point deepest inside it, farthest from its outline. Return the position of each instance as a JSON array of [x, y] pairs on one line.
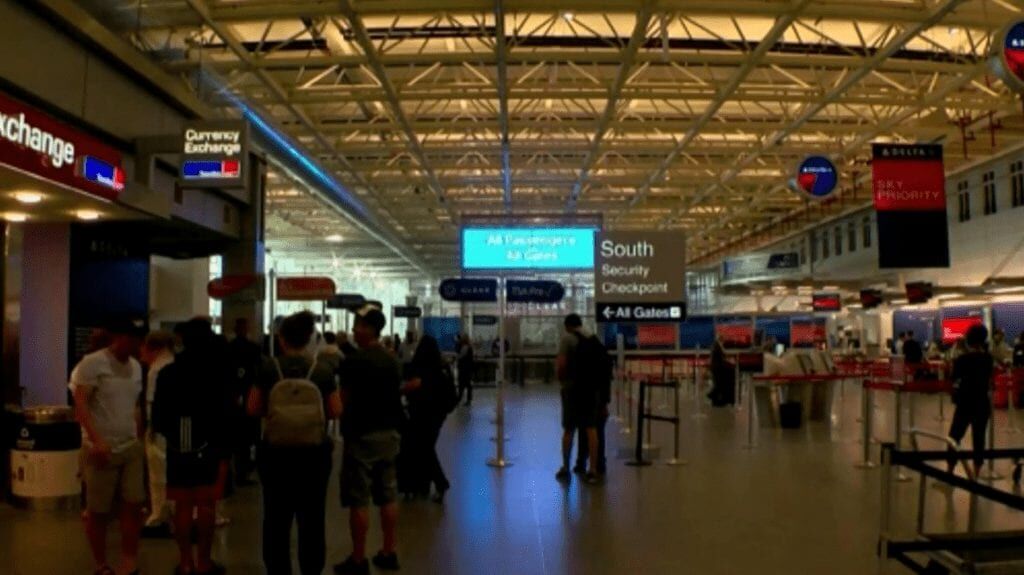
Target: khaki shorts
[[368, 470], [121, 479]]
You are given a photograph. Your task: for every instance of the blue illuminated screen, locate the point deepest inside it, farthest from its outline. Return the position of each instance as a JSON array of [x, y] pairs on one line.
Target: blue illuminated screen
[[528, 248]]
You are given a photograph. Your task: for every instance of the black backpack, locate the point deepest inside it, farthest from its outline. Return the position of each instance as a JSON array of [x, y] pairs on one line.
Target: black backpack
[[592, 366]]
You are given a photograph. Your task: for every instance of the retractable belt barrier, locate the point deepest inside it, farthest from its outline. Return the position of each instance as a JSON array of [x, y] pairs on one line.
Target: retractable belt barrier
[[965, 552], [643, 415]]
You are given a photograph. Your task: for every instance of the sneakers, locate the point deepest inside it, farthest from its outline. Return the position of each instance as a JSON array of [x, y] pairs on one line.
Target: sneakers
[[563, 475], [592, 479], [350, 567], [386, 561], [579, 469]]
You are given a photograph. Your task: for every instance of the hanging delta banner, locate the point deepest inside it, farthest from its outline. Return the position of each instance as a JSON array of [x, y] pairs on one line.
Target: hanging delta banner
[[909, 184]]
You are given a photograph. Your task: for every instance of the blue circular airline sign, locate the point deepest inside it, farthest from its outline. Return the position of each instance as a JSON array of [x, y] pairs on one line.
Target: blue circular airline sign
[[1013, 54], [817, 177]]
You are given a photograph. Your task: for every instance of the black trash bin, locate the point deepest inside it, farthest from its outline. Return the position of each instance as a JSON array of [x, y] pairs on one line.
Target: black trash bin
[[45, 462], [791, 414]]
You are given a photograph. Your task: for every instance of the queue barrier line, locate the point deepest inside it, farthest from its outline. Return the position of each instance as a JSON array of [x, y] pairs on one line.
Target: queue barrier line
[[643, 415]]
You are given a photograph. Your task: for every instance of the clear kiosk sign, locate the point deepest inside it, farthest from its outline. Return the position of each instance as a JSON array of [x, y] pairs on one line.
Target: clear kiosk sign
[[528, 248], [640, 276]]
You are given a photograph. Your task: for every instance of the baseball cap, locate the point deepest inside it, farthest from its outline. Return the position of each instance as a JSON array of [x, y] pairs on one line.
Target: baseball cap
[[372, 317], [124, 326]]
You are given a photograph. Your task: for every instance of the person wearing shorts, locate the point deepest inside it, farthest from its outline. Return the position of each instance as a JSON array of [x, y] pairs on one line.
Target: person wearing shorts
[[580, 402], [371, 395], [107, 387]]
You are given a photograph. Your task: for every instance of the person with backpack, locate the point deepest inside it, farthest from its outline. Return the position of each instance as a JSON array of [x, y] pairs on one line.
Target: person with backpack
[[371, 394], [296, 395], [431, 396], [191, 407], [579, 367]]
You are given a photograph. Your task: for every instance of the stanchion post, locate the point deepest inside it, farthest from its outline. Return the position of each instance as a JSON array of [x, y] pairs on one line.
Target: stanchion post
[[646, 397], [638, 455], [675, 450], [749, 399], [698, 403], [900, 476], [866, 404], [991, 474], [499, 460]]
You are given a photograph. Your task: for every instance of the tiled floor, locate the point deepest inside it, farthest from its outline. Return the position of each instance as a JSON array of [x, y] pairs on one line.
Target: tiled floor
[[793, 504]]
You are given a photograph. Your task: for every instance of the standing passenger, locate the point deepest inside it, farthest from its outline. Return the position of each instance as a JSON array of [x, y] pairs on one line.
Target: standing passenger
[[247, 357], [580, 398], [466, 367], [972, 378], [157, 353], [298, 395], [371, 392], [107, 385], [191, 413], [431, 396]]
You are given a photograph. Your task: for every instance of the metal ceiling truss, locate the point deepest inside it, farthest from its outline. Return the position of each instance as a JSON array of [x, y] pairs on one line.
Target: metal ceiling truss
[[680, 114]]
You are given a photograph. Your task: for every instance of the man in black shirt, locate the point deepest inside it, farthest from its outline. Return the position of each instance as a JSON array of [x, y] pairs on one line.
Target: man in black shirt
[[972, 378], [371, 394], [912, 352]]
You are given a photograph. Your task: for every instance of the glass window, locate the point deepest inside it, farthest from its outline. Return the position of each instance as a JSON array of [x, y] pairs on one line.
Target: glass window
[[851, 236], [963, 196], [813, 240], [824, 245], [988, 184], [866, 232], [1017, 183], [839, 241]]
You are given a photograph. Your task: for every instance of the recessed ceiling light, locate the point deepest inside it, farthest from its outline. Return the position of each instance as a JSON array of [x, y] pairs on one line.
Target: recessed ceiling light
[[334, 238], [28, 197], [568, 16], [87, 215], [15, 217]]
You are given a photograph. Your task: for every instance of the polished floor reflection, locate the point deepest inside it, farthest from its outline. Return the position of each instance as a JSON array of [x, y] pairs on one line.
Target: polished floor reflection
[[793, 504]]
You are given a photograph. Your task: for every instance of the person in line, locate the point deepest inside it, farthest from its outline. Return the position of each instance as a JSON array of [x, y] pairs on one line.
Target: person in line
[[600, 370], [346, 347], [431, 395], [1018, 351], [107, 385], [157, 353], [723, 374], [409, 346], [247, 356], [466, 367], [1002, 353], [192, 408], [898, 344], [371, 394], [297, 395], [972, 380], [579, 399], [912, 352], [330, 352]]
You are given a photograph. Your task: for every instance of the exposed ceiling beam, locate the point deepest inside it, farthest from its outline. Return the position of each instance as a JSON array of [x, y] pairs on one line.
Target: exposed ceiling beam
[[611, 109], [500, 51]]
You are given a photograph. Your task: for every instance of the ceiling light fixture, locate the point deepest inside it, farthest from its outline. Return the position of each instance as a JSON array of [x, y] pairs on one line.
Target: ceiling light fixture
[[87, 215], [15, 217], [335, 238], [28, 197], [568, 16]]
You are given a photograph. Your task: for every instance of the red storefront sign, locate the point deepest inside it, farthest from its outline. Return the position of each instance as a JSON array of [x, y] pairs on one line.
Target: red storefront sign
[[807, 333], [227, 286], [37, 144], [305, 289]]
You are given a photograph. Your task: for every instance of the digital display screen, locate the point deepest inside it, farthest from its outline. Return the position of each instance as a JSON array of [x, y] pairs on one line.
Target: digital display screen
[[103, 173], [827, 302], [919, 292], [528, 248], [871, 298], [955, 328]]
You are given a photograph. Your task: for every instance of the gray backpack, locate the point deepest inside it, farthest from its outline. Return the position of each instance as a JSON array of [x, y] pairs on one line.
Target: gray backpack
[[295, 412]]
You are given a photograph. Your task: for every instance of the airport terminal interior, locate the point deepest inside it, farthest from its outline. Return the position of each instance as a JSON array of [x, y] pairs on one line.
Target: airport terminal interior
[[571, 287]]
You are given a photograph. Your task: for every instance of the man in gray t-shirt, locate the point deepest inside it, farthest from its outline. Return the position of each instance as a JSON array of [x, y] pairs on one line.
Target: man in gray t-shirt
[[579, 400]]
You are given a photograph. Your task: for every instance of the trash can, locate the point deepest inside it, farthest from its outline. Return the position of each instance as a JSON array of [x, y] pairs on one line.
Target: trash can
[[791, 414], [45, 462]]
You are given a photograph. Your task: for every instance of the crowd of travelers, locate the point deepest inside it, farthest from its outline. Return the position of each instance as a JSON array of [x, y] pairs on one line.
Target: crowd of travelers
[[174, 422]]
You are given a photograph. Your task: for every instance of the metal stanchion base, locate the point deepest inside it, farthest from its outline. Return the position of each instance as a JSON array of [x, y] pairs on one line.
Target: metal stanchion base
[[677, 462], [506, 440], [865, 465], [499, 463], [639, 463], [991, 475], [903, 478], [625, 430]]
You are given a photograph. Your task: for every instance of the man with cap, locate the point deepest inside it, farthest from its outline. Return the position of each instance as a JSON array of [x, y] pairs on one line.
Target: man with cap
[[107, 386], [371, 395]]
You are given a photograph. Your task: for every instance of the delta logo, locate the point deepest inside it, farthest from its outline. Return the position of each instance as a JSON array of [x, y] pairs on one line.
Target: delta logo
[[1013, 51]]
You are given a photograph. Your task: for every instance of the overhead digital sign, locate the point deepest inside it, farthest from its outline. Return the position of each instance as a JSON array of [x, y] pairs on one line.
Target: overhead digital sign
[[817, 177], [826, 302], [909, 184], [955, 328], [528, 248]]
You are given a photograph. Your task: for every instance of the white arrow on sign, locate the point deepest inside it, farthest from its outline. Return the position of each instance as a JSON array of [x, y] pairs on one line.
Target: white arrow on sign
[[608, 313]]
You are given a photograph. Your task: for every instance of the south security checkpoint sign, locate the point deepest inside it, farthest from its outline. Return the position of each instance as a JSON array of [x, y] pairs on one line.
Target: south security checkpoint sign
[[640, 276]]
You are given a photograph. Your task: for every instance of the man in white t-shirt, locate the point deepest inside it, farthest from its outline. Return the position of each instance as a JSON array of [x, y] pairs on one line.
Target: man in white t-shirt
[[107, 386]]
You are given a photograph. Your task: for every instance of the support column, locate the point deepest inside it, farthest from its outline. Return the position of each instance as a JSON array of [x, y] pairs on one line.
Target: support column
[[247, 255], [45, 308]]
